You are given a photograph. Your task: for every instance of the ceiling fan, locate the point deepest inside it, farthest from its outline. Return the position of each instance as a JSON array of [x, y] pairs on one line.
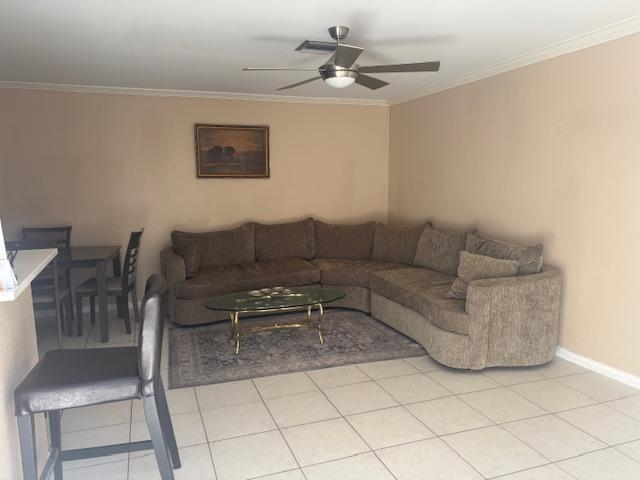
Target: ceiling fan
[[341, 69]]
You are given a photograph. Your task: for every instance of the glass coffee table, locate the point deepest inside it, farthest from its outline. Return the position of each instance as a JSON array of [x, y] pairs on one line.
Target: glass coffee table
[[275, 300]]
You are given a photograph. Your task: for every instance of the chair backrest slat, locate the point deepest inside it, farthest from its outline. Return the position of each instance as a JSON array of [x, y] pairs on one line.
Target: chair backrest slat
[[130, 269], [151, 332]]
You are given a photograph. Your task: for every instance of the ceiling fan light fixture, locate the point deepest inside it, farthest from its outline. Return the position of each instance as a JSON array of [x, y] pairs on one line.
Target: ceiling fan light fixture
[[340, 82], [338, 77]]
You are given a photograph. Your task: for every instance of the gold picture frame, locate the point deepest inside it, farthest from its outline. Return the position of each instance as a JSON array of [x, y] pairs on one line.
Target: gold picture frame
[[232, 151]]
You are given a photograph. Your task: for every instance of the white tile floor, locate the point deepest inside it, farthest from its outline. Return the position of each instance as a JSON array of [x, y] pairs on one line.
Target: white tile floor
[[406, 419]]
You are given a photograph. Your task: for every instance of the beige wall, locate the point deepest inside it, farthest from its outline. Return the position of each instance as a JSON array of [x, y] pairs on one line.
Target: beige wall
[[551, 153], [108, 164]]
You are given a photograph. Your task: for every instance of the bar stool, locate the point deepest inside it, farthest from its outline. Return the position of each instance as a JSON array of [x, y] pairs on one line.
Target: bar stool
[[76, 378]]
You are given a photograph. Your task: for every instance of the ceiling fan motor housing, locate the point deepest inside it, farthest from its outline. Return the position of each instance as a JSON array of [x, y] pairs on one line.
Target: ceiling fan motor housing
[[338, 32], [331, 70]]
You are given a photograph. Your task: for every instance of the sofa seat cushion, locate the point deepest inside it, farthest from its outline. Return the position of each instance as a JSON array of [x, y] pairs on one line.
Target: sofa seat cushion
[[285, 272], [424, 291], [357, 273]]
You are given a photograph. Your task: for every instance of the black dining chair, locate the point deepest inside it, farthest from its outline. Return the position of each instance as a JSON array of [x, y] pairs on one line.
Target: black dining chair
[[49, 289], [119, 287], [74, 378], [60, 235]]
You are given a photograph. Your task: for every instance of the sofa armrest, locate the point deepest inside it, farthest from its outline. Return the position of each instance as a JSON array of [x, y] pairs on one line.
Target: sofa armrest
[[174, 270], [517, 317]]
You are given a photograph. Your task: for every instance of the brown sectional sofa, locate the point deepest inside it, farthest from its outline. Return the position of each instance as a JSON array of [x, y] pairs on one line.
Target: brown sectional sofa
[[401, 276]]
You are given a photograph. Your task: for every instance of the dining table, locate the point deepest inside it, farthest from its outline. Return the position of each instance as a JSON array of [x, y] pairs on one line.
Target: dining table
[[97, 258]]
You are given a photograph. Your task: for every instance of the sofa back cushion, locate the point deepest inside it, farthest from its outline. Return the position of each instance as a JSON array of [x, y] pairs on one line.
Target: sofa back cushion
[[529, 258], [395, 244], [440, 251], [473, 267], [295, 239], [215, 249], [354, 242]]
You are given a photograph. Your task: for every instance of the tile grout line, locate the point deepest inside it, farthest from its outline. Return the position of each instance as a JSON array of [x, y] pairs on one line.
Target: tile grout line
[[501, 426], [444, 441], [586, 394], [130, 432], [264, 404], [354, 429], [597, 403], [206, 435]]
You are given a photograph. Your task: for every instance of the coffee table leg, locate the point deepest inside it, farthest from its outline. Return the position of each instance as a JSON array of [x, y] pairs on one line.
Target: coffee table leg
[[232, 330], [321, 312], [236, 330]]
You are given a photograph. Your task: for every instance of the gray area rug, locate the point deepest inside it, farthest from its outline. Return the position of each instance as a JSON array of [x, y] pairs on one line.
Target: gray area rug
[[205, 354]]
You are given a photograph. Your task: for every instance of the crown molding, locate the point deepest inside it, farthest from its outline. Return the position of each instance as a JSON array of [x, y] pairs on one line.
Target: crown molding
[[153, 92], [595, 37]]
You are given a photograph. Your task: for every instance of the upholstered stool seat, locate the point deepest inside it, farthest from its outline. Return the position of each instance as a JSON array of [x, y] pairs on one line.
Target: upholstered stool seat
[[77, 378]]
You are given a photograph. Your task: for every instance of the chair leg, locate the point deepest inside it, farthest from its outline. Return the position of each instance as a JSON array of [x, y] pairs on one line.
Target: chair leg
[[59, 325], [92, 306], [124, 301], [157, 438], [69, 318], [26, 429], [71, 312], [79, 315], [136, 309], [167, 426], [56, 441]]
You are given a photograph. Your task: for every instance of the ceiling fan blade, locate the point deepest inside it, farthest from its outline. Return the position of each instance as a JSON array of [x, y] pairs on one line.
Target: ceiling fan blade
[[370, 82], [269, 69], [299, 83], [314, 46], [402, 67], [346, 55]]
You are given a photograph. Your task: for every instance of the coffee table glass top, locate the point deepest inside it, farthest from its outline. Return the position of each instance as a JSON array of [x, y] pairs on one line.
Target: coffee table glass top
[[274, 299]]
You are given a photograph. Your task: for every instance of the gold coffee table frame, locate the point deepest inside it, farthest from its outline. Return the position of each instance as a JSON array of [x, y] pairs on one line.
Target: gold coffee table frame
[[296, 300], [237, 331]]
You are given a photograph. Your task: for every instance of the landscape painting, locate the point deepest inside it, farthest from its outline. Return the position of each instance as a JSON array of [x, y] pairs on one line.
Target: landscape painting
[[232, 151]]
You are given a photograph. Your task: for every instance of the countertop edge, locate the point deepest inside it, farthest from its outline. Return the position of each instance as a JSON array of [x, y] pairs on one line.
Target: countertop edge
[[27, 265]]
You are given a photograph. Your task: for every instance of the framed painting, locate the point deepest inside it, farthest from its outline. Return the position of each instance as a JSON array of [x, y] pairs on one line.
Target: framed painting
[[234, 151]]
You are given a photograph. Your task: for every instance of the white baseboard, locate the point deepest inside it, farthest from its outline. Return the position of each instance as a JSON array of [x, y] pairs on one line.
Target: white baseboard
[[613, 373]]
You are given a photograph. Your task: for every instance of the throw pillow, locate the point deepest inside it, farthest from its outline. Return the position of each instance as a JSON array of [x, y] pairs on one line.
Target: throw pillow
[[395, 244], [529, 258], [474, 267], [185, 244], [439, 250], [344, 241]]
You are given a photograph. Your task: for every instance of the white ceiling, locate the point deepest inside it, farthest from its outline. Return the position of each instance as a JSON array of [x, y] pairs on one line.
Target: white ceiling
[[201, 45]]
